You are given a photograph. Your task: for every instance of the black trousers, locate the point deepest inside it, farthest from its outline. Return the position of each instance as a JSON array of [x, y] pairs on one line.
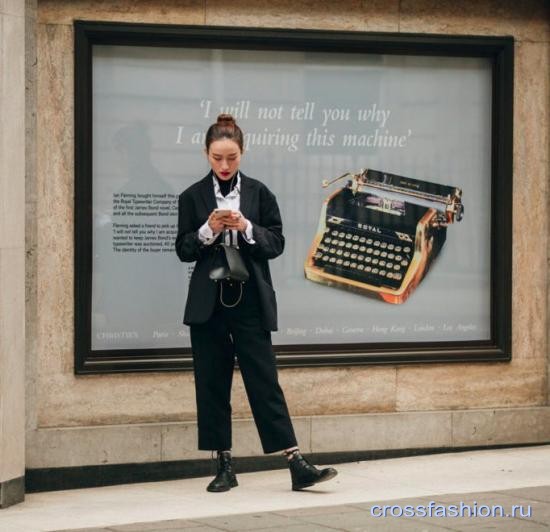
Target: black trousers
[[237, 332]]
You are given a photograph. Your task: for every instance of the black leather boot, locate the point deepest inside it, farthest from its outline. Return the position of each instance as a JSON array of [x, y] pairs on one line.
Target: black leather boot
[[305, 475], [225, 478]]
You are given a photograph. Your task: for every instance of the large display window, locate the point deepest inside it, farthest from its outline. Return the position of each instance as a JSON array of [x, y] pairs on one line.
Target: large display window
[[390, 157]]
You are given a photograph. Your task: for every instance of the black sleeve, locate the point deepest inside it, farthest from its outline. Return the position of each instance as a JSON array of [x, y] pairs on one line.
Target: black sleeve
[[188, 245], [268, 234]]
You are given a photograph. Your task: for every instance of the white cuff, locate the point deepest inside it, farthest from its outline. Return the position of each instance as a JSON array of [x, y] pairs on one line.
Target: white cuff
[[206, 235], [247, 233]]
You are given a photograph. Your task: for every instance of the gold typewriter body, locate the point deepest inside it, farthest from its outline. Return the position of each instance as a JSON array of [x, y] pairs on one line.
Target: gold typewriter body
[[380, 233]]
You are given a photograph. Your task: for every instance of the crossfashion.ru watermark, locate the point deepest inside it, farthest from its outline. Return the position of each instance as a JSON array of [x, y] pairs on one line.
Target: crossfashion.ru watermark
[[435, 509]]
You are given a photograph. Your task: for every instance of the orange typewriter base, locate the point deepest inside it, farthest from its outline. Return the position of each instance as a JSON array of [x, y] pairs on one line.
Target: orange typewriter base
[[313, 273]]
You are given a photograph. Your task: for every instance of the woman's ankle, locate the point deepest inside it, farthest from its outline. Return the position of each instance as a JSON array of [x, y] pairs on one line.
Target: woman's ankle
[[290, 452]]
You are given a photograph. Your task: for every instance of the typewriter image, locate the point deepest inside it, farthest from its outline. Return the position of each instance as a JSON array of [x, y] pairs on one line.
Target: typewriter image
[[379, 234]]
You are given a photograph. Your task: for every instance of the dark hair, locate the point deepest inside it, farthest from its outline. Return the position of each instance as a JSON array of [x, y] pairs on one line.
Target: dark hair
[[224, 128]]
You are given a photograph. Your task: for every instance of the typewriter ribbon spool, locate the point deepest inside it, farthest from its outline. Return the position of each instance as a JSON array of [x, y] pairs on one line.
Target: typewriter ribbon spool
[[379, 234]]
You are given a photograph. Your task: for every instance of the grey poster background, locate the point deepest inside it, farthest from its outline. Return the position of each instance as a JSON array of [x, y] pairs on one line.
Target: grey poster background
[[151, 109]]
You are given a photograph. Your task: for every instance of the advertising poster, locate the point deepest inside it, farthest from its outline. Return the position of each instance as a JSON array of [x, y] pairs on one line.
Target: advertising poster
[[398, 250]]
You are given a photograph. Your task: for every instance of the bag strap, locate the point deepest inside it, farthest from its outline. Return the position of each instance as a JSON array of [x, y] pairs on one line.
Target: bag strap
[[234, 304]]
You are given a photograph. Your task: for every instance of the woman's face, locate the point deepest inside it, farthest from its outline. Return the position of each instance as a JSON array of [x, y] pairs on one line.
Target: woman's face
[[224, 156]]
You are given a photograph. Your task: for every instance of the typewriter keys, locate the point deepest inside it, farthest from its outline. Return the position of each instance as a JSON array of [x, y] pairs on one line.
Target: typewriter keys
[[355, 254], [370, 263]]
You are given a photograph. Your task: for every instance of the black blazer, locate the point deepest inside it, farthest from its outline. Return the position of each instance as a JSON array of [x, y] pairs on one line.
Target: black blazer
[[259, 206]]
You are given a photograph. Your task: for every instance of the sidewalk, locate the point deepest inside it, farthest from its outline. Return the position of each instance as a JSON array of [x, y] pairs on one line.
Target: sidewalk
[[264, 501]]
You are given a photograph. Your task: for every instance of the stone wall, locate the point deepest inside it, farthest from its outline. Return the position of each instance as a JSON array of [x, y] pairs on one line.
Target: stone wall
[[95, 413], [12, 251]]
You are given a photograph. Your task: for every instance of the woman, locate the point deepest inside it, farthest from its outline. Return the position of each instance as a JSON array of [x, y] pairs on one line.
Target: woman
[[227, 206]]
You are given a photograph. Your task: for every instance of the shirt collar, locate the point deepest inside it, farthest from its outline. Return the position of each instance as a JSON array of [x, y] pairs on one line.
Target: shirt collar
[[232, 193]]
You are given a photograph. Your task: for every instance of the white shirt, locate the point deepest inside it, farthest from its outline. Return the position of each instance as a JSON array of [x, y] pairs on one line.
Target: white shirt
[[233, 202]]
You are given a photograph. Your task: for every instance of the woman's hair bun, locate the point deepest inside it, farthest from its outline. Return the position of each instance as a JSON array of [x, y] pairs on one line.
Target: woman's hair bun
[[225, 120], [224, 128]]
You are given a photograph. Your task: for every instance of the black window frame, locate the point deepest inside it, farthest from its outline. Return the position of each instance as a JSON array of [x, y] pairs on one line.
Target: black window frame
[[500, 50]]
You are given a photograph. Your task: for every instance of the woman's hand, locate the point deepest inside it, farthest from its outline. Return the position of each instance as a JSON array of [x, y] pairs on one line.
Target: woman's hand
[[216, 223], [236, 221]]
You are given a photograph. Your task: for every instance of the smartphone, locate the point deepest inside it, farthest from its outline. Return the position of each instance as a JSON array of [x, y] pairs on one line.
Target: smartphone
[[222, 213]]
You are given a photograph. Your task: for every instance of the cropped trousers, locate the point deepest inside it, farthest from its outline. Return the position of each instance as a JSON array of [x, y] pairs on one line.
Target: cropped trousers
[[229, 333]]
